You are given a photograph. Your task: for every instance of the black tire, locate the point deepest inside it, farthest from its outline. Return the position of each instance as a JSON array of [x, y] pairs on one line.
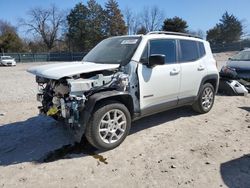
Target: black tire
[[92, 129], [197, 106]]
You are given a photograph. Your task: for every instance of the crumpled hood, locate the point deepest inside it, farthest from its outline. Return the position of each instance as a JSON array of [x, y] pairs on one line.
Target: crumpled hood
[[60, 70]]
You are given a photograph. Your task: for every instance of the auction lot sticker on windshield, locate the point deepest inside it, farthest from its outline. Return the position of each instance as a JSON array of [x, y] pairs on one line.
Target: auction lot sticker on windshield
[[130, 41]]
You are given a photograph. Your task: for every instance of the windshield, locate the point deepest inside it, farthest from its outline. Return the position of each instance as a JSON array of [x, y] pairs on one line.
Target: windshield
[[116, 50], [4, 58], [242, 56]]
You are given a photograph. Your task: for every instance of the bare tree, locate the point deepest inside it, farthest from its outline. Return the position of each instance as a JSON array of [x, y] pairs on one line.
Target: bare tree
[[129, 19], [246, 32], [132, 21], [152, 18], [45, 23], [136, 25], [200, 33]]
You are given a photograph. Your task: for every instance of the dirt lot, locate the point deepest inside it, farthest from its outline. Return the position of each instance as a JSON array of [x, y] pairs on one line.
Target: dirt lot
[[177, 148]]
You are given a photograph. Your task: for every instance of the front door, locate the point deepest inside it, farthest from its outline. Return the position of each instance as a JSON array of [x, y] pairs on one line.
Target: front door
[[159, 85]]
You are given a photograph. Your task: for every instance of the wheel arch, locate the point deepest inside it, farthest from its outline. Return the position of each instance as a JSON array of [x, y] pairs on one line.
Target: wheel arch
[[212, 79], [98, 98], [125, 99]]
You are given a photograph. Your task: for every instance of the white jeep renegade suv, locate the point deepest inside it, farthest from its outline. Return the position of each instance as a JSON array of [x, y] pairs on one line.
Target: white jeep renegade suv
[[125, 78]]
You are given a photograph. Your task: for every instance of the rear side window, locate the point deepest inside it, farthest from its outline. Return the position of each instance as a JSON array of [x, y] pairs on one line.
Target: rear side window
[[165, 47], [189, 51]]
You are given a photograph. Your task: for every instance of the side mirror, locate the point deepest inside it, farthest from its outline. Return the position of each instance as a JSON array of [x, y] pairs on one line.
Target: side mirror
[[229, 58], [156, 59]]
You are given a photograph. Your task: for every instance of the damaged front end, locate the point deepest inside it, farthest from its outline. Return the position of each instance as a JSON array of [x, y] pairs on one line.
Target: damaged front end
[[65, 99]]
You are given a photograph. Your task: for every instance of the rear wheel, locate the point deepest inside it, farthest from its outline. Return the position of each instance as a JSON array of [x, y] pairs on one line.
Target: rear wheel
[[108, 126], [205, 100]]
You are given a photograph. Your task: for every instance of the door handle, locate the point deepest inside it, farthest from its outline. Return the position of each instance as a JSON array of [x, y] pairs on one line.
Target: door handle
[[174, 72], [201, 68]]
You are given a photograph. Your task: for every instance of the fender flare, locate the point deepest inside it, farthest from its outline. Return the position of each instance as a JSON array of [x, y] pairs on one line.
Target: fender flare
[[205, 79], [92, 101]]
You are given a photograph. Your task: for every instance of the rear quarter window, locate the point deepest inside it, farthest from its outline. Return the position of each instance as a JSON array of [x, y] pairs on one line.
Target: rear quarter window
[[202, 51]]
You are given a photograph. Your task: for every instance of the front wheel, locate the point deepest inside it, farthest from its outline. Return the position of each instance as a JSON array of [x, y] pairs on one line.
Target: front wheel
[[109, 125], [205, 99]]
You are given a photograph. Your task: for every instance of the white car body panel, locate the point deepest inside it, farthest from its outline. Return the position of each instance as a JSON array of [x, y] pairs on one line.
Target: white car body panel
[[157, 85], [191, 77], [68, 69]]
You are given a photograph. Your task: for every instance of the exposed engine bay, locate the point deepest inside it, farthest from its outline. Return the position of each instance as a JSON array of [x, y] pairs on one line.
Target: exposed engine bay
[[64, 99]]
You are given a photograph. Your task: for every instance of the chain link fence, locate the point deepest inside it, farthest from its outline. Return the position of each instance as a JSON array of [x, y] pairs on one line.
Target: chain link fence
[[46, 57], [78, 56], [236, 46]]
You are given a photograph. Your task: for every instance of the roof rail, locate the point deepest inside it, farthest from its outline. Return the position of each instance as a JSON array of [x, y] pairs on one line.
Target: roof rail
[[173, 33]]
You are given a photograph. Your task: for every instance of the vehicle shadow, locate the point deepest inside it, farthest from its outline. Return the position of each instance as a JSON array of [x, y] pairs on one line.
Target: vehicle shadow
[[28, 140], [236, 173], [41, 139]]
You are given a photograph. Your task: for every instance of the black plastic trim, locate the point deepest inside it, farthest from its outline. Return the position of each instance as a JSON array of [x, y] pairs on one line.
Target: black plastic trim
[[92, 100], [206, 78], [158, 108], [187, 100]]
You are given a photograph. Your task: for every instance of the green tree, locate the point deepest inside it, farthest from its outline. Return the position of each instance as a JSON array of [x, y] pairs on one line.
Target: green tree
[[229, 30], [175, 24], [95, 24], [151, 18], [9, 39], [214, 35], [77, 27], [86, 26], [115, 24]]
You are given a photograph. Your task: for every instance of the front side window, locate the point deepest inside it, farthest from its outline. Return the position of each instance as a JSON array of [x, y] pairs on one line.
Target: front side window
[[165, 47], [189, 51]]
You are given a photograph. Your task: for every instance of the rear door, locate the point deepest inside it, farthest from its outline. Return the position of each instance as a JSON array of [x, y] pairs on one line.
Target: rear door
[[159, 85], [193, 68]]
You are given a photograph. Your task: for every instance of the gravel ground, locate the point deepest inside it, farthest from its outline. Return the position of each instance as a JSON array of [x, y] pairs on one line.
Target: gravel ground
[[177, 148]]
